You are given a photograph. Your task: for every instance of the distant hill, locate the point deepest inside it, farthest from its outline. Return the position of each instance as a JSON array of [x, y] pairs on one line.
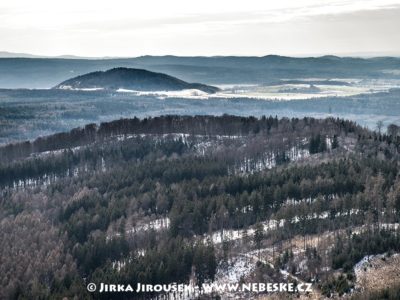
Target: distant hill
[[47, 72], [6, 54], [131, 79]]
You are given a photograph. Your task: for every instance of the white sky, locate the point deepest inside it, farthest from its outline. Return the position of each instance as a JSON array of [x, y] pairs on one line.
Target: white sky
[[200, 27]]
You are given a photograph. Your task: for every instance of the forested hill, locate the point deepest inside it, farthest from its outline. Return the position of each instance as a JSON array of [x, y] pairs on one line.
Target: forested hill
[[131, 79], [201, 199], [194, 125]]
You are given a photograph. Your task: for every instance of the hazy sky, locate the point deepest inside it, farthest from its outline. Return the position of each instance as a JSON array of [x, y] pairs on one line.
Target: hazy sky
[[200, 27]]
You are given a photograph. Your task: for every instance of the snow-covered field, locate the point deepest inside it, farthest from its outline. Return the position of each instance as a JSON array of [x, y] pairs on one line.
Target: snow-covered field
[[306, 88], [68, 87], [188, 93]]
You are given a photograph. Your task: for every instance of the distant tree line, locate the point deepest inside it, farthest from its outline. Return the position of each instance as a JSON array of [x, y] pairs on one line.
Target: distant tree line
[[200, 125]]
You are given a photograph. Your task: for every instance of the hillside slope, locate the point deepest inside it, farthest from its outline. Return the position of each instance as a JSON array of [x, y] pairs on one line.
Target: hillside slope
[[221, 199]]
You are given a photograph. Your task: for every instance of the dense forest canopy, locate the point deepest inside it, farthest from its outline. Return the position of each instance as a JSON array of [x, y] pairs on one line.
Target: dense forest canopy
[[198, 125], [154, 200]]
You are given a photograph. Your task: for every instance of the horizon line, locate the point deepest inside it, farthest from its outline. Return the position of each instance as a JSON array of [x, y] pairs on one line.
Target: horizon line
[[363, 55]]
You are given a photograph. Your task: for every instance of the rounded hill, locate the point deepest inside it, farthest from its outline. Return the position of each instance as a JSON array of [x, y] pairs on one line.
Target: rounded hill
[[131, 79]]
